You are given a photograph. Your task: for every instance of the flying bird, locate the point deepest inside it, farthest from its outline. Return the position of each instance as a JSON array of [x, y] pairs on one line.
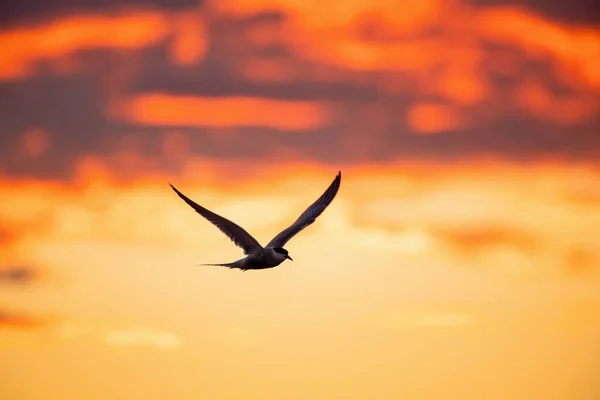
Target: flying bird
[[258, 257]]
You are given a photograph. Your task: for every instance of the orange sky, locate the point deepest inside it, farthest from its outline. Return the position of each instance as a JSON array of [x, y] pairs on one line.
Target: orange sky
[[460, 259]]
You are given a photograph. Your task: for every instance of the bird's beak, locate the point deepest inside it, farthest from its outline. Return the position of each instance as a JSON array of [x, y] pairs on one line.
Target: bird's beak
[[289, 258]]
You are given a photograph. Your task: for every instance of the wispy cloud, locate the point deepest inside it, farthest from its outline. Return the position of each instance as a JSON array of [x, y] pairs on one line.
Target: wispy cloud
[[479, 238], [14, 320], [142, 336]]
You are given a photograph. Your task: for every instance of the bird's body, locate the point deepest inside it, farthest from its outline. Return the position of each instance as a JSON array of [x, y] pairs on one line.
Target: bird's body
[[267, 258], [270, 256]]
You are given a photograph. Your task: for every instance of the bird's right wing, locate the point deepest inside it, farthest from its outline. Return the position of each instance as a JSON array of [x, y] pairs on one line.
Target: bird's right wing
[[236, 233], [309, 215]]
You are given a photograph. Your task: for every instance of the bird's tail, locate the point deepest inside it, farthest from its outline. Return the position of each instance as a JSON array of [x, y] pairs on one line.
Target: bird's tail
[[217, 265], [228, 265]]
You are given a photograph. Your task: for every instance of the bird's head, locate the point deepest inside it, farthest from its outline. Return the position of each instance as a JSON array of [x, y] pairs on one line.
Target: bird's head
[[283, 252]]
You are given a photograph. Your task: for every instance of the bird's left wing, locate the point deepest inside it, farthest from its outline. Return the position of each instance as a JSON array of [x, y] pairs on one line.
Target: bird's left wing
[[236, 233], [309, 215]]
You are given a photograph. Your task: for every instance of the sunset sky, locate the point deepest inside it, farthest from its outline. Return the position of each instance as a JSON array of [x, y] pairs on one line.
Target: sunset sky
[[459, 260]]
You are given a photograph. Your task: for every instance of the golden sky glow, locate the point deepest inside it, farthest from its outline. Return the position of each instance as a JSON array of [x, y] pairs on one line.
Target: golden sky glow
[[460, 259], [399, 274]]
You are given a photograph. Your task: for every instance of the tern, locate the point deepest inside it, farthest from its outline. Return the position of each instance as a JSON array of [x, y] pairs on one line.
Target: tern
[[258, 257]]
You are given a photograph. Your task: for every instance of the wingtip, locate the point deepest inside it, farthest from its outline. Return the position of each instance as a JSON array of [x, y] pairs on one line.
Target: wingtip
[[174, 188]]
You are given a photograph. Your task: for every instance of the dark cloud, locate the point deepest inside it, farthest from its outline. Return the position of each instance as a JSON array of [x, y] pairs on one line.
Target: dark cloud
[[221, 73], [35, 11], [19, 275], [68, 108], [215, 78], [573, 12], [73, 113], [370, 124]]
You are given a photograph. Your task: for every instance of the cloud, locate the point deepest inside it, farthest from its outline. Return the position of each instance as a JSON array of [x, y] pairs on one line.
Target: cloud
[[190, 44], [431, 82], [571, 48], [224, 112], [480, 238], [430, 118], [34, 142], [385, 36], [12, 320], [535, 99], [39, 10], [66, 36], [6, 236], [142, 336], [582, 259], [575, 12], [19, 275]]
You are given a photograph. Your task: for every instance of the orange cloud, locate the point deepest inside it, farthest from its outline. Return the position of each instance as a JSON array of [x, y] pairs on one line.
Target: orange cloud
[[463, 82], [267, 70], [464, 206], [385, 36], [190, 43], [477, 239], [538, 101], [334, 14], [175, 145], [577, 50], [386, 19], [23, 47], [429, 118], [6, 236], [170, 110], [18, 321], [28, 214], [356, 34], [582, 259], [34, 142]]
